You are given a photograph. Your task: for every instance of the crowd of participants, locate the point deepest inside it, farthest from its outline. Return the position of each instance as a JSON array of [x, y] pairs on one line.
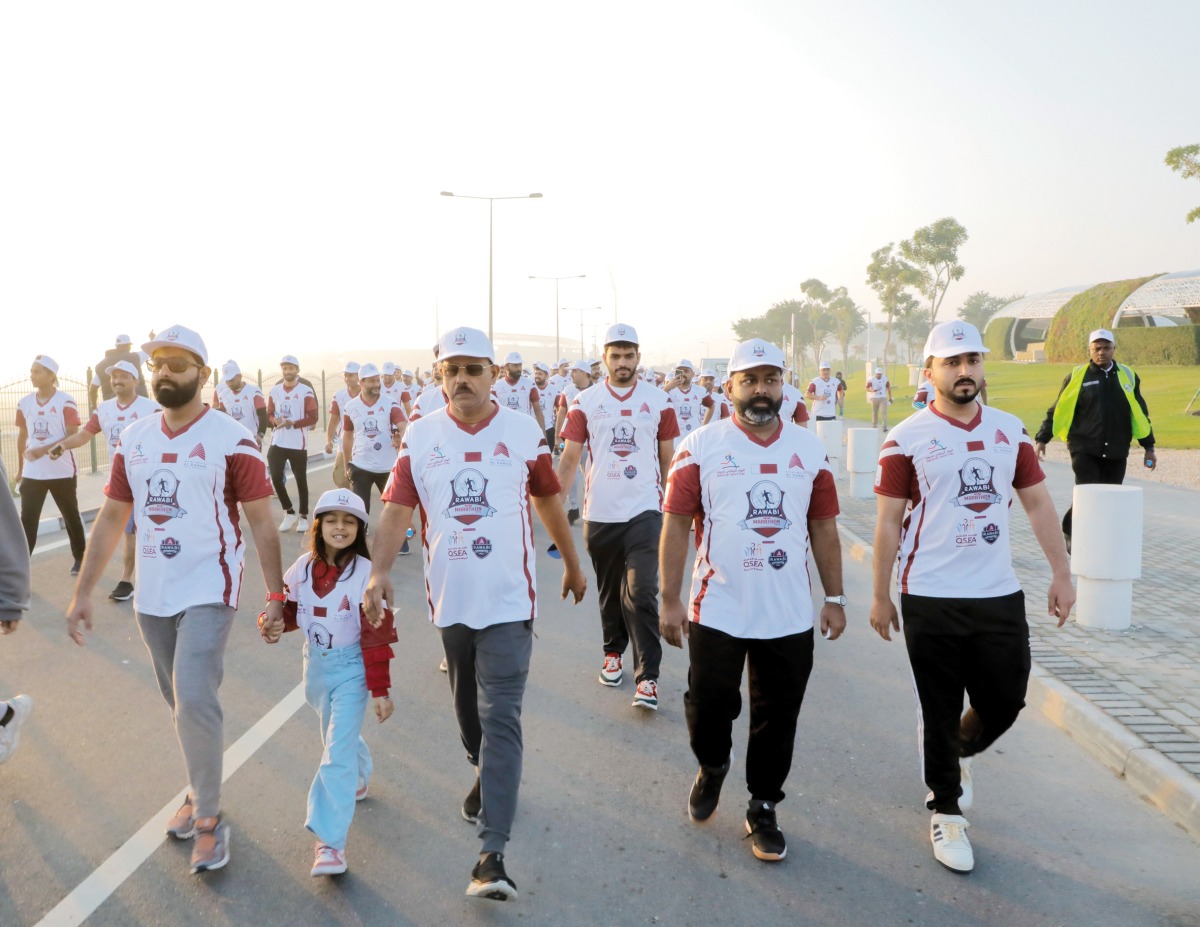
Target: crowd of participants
[[467, 455]]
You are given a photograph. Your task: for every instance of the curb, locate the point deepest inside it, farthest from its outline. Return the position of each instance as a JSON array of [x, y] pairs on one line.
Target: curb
[[1156, 778]]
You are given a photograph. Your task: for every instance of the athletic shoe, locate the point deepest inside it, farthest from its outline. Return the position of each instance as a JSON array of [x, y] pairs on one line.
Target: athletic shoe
[[967, 799], [361, 792], [646, 695], [122, 593], [489, 880], [572, 516], [405, 550], [951, 847], [75, 567], [329, 861], [610, 672], [444, 666], [10, 734], [289, 521], [472, 804], [182, 826], [766, 839], [301, 525], [706, 792], [210, 846]]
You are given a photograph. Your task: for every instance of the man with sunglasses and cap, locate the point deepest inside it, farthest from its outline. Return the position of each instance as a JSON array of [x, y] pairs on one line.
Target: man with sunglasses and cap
[[291, 410], [191, 476], [242, 400], [478, 472]]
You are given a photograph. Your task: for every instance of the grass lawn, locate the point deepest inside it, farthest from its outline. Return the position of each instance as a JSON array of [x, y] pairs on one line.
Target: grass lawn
[[1027, 390]]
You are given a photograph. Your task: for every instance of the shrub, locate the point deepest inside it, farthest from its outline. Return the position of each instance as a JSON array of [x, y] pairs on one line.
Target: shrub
[[997, 338], [1066, 343], [1141, 347]]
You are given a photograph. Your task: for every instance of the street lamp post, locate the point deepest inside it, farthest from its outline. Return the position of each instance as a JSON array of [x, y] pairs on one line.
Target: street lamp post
[[557, 310], [581, 310], [491, 200]]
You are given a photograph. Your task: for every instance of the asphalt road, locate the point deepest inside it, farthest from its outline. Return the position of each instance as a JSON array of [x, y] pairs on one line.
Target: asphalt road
[[602, 835]]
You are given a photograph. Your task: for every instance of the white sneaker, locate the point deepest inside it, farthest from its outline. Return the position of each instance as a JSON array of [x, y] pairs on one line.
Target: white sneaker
[[444, 666], [301, 525], [967, 798], [10, 734], [951, 847], [289, 522]]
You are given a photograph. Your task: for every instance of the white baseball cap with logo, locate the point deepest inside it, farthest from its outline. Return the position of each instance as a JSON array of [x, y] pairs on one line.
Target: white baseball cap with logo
[[289, 359], [177, 336], [542, 366], [48, 362], [825, 366], [230, 370], [686, 364], [388, 368], [949, 339], [124, 339], [123, 366], [351, 367], [621, 333], [756, 353], [708, 372], [562, 362], [367, 370], [583, 366], [1102, 334], [513, 358], [466, 342], [341, 500]]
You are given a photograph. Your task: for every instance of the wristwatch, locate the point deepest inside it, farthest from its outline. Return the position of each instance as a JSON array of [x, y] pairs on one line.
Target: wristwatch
[[836, 600]]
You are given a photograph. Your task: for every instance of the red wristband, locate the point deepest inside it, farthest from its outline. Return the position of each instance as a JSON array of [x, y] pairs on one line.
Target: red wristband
[[276, 597]]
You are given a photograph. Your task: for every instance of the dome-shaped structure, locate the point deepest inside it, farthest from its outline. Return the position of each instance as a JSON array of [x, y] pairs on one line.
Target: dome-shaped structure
[[1033, 315], [1172, 299]]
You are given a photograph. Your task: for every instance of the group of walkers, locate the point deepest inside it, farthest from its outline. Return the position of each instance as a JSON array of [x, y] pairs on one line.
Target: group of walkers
[[471, 457]]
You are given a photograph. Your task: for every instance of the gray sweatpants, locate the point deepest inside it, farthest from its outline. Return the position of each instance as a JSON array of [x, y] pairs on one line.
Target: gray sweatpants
[[188, 654], [488, 669]]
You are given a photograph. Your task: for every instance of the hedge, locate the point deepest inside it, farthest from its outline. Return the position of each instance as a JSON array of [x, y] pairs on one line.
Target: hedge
[[1141, 347], [996, 339], [1066, 342]]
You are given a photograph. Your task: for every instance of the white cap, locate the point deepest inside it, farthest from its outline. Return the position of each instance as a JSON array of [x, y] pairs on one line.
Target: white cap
[[389, 368], [825, 365], [124, 339], [341, 500], [179, 337], [880, 369], [48, 362], [466, 342], [289, 359], [351, 367], [562, 361], [583, 366], [949, 339], [621, 332], [230, 370], [1101, 334], [542, 366], [686, 363], [367, 370], [124, 366], [513, 358], [756, 353], [708, 372], [407, 373]]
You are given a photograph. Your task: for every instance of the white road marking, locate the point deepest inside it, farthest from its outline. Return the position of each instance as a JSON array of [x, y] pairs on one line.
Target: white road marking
[[125, 861]]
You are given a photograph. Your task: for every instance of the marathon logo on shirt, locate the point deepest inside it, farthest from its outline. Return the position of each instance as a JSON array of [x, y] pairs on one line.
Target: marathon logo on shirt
[[320, 636], [137, 457], [468, 497], [41, 429], [623, 443], [990, 533], [964, 533], [765, 513], [481, 547], [752, 560], [170, 548], [976, 491], [630, 472], [937, 450], [778, 559], [436, 458], [371, 428], [729, 467], [161, 502], [458, 546]]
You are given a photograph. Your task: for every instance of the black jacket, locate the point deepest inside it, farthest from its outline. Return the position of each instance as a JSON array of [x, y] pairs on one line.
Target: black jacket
[[1102, 426]]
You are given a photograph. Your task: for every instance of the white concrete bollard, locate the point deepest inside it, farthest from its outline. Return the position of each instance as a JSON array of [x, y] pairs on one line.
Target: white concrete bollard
[[1106, 553], [862, 457], [830, 434], [914, 374]]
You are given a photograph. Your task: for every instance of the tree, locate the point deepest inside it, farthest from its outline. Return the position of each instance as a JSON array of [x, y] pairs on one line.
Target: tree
[[980, 306], [1185, 160], [934, 251], [775, 325], [912, 324], [819, 320], [848, 322], [890, 276]]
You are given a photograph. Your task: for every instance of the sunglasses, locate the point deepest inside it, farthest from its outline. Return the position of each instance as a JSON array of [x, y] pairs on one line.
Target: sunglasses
[[471, 370], [173, 364]]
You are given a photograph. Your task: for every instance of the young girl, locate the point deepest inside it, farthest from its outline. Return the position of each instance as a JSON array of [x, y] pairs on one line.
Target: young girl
[[344, 658]]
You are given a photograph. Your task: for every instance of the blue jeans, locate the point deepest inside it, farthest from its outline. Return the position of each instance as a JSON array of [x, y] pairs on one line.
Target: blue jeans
[[335, 685]]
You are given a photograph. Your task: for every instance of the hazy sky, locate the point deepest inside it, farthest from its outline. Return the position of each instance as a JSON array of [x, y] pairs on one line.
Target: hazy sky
[[269, 172]]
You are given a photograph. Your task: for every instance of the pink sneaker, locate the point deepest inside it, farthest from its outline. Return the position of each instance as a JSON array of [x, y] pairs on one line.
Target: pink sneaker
[[329, 861]]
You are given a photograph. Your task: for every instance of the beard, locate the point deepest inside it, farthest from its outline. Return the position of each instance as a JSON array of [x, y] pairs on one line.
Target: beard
[[171, 394], [758, 411], [962, 399]]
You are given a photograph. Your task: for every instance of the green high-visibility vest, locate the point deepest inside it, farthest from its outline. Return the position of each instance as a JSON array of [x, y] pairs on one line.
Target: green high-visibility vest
[[1064, 412]]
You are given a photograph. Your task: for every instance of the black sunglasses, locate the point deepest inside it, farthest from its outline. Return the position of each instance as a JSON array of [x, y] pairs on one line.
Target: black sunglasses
[[173, 364]]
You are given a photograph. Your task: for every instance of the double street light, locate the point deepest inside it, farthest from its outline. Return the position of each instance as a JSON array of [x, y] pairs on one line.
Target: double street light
[[490, 201], [557, 309]]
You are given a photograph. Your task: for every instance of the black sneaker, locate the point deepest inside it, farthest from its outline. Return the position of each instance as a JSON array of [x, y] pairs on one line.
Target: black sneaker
[[572, 516], [706, 792], [123, 592], [75, 568], [489, 880], [472, 804], [766, 839]]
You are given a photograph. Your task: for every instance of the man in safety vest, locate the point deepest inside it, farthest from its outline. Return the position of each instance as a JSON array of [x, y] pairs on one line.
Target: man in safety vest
[[1098, 412]]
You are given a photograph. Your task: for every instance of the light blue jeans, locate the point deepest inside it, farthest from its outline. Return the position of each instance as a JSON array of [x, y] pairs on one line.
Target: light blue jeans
[[335, 685]]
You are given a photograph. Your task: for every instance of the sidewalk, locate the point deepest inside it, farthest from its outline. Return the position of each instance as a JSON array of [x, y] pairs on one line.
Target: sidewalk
[[1132, 697]]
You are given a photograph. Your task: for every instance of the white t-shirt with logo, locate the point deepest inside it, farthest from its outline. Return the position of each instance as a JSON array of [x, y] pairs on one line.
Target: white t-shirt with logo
[[622, 432], [472, 484], [372, 427], [824, 397], [185, 487], [548, 400], [689, 411], [111, 418], [46, 424], [398, 393], [877, 386], [429, 400], [752, 500], [959, 481], [719, 403], [243, 405], [337, 408], [793, 408], [519, 396], [299, 405], [334, 620]]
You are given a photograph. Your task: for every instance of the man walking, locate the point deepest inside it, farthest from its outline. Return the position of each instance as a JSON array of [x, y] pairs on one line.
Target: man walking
[[1098, 412], [685, 399], [824, 392], [101, 387], [581, 379], [629, 429], [14, 602], [372, 426], [548, 393], [750, 603], [879, 395], [517, 391], [475, 469], [333, 429], [185, 473], [291, 410], [242, 401], [945, 485]]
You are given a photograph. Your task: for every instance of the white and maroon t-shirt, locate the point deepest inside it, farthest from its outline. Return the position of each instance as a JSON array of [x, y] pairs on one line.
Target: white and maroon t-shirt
[[472, 484], [959, 480], [331, 621], [519, 396], [372, 426], [793, 409], [243, 405], [752, 500], [689, 411], [548, 399], [299, 405], [428, 400], [398, 393], [337, 408], [185, 487], [622, 432], [721, 403], [111, 418], [824, 397], [877, 386], [46, 424]]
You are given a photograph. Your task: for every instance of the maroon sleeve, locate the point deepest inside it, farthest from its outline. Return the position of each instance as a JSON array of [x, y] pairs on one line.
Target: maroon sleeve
[[534, 395], [575, 427], [668, 424], [246, 474], [1029, 471], [542, 479], [401, 489], [683, 487], [271, 406], [93, 425], [347, 423], [117, 486], [824, 500], [259, 402], [290, 620], [310, 413], [398, 415], [377, 661], [800, 413], [70, 414], [707, 401], [895, 474]]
